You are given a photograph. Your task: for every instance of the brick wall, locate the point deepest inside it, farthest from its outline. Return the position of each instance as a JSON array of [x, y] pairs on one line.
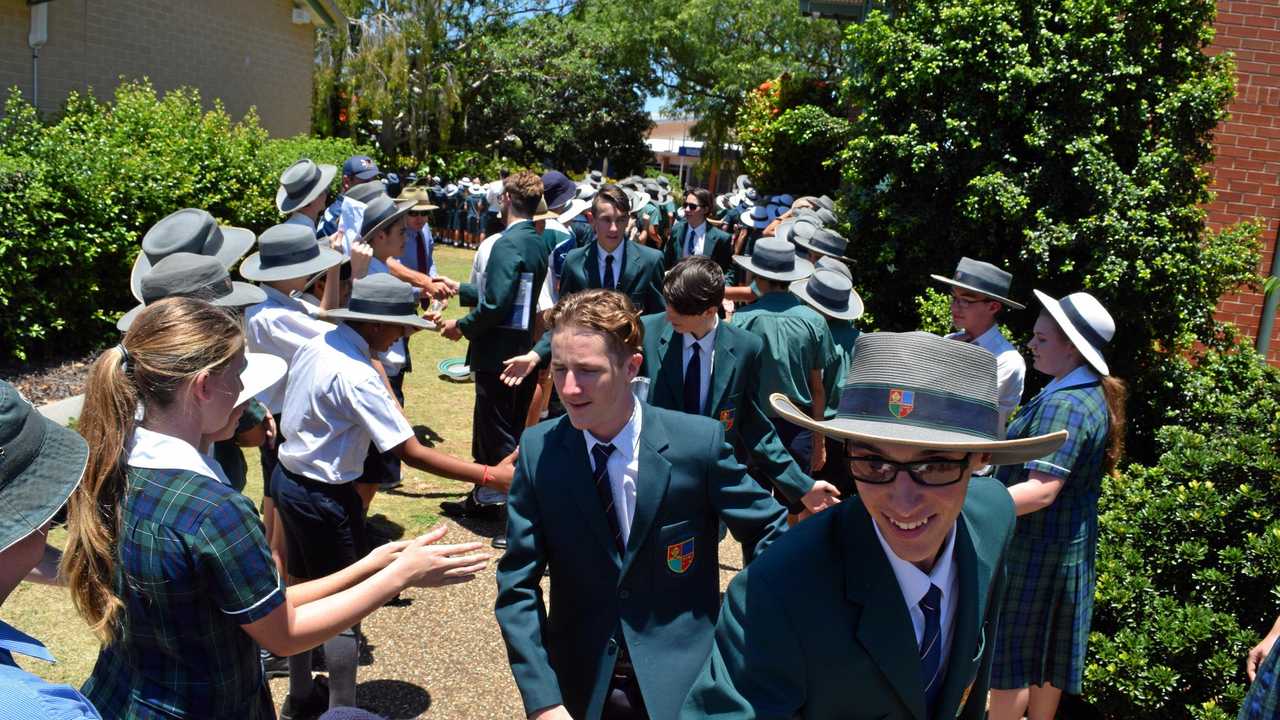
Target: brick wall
[[1246, 172], [243, 52]]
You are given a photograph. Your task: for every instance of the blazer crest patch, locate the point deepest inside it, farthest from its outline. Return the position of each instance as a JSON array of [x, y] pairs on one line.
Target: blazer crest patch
[[680, 556], [726, 419]]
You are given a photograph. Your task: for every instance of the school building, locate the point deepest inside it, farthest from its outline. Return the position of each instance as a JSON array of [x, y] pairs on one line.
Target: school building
[[676, 153], [246, 53]]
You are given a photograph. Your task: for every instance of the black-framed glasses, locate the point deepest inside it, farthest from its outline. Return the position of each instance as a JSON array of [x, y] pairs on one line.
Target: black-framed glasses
[[692, 206], [882, 471]]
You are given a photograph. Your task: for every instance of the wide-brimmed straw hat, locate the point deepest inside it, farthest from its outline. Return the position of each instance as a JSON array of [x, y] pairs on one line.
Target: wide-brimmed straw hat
[[301, 183], [982, 278], [261, 372], [1085, 322], [191, 275], [924, 391], [381, 298], [823, 241], [831, 293], [420, 198], [41, 465], [288, 251], [381, 212], [776, 260], [188, 230]]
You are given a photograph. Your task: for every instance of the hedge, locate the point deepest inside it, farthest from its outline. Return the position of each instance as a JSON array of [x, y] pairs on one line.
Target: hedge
[[77, 193]]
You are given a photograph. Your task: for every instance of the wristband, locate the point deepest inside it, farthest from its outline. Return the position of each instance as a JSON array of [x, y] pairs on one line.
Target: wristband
[[485, 477]]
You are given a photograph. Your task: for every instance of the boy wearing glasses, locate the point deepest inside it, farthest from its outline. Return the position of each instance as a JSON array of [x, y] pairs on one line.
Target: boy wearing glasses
[[885, 606], [979, 291]]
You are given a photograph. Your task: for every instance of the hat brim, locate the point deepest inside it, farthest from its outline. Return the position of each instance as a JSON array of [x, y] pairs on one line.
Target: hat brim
[[315, 278], [406, 320], [40, 490], [236, 242], [286, 206], [242, 295], [803, 269], [800, 289], [1091, 354], [1003, 452], [577, 206], [750, 220], [261, 372], [402, 209], [251, 268], [998, 298], [814, 248]]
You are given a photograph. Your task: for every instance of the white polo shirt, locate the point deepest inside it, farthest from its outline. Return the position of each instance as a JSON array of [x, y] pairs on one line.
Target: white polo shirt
[[279, 326], [334, 405]]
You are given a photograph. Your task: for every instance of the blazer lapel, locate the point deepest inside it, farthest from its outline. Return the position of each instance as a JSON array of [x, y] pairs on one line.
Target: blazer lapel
[[630, 267], [670, 380], [581, 485], [722, 369], [884, 627], [651, 482], [975, 573]]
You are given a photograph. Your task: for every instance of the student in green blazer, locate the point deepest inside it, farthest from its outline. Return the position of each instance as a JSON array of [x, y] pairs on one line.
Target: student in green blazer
[[636, 270], [887, 606], [721, 382], [623, 502], [695, 236]]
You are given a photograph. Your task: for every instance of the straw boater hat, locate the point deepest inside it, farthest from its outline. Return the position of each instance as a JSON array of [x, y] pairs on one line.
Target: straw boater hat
[[380, 213], [381, 298], [191, 275], [42, 464], [288, 251], [1085, 322], [301, 183], [824, 242], [776, 260], [419, 197], [982, 278], [188, 230], [923, 391], [830, 293]]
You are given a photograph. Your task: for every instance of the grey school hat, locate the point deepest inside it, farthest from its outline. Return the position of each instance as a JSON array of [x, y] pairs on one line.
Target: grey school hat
[[366, 191], [288, 251], [923, 391], [41, 463], [982, 278], [188, 230], [381, 212], [301, 183], [835, 264], [191, 275], [776, 260], [824, 242], [831, 293], [380, 298]]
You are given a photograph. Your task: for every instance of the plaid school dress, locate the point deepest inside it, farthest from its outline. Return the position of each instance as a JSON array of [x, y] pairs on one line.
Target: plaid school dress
[[1050, 565], [192, 567], [1263, 700]]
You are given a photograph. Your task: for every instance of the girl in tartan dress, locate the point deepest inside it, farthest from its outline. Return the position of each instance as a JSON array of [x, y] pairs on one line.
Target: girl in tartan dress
[[1263, 668], [1048, 604]]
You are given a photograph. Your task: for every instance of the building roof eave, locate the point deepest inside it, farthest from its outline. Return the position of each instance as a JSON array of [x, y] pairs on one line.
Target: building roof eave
[[329, 12]]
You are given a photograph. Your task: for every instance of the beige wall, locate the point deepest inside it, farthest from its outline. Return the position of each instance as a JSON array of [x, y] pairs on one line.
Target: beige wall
[[245, 52]]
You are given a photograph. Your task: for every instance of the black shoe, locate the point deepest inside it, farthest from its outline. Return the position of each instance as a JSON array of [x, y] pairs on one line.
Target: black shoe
[[312, 707], [273, 665], [469, 508], [499, 542]]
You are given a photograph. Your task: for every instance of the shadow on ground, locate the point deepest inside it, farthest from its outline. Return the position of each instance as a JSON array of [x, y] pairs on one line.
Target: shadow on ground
[[393, 699]]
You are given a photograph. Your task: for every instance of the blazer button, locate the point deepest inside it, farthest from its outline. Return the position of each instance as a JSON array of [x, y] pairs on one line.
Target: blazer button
[[624, 593], [613, 646]]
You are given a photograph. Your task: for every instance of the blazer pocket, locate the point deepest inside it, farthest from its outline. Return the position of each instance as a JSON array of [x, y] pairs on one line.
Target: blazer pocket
[[678, 546]]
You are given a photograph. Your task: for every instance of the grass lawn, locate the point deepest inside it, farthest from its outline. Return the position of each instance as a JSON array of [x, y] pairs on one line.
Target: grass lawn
[[440, 411]]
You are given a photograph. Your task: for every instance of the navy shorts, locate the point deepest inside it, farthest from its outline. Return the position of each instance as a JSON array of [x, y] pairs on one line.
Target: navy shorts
[[323, 523]]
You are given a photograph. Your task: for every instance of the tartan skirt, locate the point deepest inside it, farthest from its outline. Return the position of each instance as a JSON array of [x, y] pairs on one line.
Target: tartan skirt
[[1263, 700], [1046, 613]]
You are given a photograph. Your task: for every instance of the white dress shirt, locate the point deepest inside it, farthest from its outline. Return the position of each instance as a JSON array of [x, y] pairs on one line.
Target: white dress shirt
[[157, 451], [914, 584], [279, 326], [699, 235], [617, 262], [1011, 369], [334, 404], [706, 355], [624, 468], [396, 356]]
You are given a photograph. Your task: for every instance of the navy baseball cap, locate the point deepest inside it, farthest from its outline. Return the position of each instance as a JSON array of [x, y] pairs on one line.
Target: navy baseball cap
[[361, 166]]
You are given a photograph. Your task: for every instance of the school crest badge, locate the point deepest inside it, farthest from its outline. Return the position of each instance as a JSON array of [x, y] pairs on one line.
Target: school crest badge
[[901, 402], [680, 556], [726, 419]]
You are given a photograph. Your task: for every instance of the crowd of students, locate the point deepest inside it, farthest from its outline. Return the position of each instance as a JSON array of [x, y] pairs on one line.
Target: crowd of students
[[652, 370]]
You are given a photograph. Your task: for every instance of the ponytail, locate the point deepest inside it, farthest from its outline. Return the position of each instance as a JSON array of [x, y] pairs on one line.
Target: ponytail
[[170, 341], [1116, 393]]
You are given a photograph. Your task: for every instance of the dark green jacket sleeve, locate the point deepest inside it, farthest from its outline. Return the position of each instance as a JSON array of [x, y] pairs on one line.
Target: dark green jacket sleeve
[[766, 447], [468, 295], [751, 514], [501, 284]]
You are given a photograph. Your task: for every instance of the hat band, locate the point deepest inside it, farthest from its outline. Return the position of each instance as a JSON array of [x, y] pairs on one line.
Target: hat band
[[379, 307], [824, 296], [981, 283], [20, 450], [774, 263], [306, 185], [215, 290], [1082, 326], [268, 262], [919, 407]]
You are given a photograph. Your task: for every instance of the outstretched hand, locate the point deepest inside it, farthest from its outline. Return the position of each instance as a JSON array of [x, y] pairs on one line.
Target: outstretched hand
[[820, 497], [425, 564], [514, 370], [504, 472]]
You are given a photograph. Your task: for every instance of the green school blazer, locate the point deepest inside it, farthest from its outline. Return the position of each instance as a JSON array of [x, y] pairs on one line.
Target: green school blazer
[[717, 245], [732, 398], [660, 596], [817, 627]]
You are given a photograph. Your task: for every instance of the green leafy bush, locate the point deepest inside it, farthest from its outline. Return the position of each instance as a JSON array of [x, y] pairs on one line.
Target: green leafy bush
[[77, 195], [789, 136]]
